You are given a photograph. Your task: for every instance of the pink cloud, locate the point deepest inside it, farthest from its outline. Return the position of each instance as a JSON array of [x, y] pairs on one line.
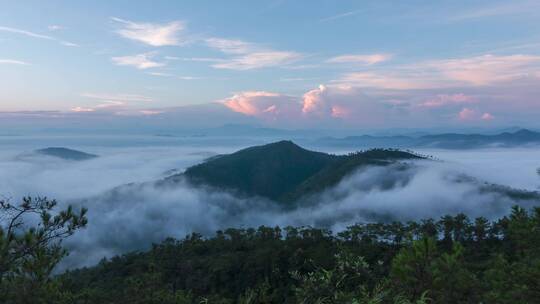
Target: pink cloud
[[487, 116], [444, 99], [467, 114], [313, 101], [340, 112], [485, 70], [260, 103]]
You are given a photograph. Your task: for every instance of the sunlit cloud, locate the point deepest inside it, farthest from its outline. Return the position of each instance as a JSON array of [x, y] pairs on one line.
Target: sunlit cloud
[[152, 33], [140, 61], [368, 59], [476, 71]]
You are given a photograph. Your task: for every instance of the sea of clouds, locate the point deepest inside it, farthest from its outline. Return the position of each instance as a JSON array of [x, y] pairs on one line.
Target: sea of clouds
[[127, 211]]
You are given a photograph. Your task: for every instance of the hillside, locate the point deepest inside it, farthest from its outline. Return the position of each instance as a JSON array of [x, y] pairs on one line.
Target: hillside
[[64, 153], [283, 171]]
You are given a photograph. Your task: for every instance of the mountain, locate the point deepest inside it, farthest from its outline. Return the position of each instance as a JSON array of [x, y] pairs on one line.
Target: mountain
[[283, 171], [65, 153], [517, 138]]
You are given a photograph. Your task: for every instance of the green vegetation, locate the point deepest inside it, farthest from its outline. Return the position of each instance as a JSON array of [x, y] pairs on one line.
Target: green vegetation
[[28, 254], [452, 260], [283, 171]]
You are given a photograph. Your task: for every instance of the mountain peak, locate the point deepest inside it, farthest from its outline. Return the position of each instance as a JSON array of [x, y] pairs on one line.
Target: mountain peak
[[280, 170]]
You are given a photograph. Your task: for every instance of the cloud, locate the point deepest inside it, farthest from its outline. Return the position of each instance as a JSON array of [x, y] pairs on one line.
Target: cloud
[[140, 61], [118, 103], [248, 56], [445, 99], [342, 15], [363, 59], [495, 10], [82, 109], [259, 60], [118, 97], [230, 46], [11, 61], [487, 116], [467, 114], [485, 70], [258, 103], [142, 213], [152, 33], [55, 27], [35, 35]]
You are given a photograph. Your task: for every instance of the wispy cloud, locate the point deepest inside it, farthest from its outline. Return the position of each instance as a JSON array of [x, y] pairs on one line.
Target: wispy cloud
[[11, 61], [140, 61], [342, 15], [111, 103], [230, 46], [55, 27], [118, 97], [505, 8], [368, 59], [249, 56], [259, 60], [35, 35], [153, 34], [482, 70]]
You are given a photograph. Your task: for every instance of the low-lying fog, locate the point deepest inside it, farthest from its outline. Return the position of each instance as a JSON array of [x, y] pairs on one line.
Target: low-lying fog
[[133, 217]]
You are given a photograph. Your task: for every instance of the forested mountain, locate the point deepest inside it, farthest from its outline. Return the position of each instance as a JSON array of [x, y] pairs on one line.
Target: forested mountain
[[283, 171]]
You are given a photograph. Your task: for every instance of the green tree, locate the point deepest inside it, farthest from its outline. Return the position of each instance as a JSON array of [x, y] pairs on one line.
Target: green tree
[[411, 272], [29, 253]]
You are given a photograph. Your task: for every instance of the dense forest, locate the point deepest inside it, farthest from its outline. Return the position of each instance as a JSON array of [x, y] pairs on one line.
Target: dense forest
[[453, 259]]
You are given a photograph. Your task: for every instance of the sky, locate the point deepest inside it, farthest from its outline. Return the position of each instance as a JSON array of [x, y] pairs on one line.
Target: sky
[[285, 64]]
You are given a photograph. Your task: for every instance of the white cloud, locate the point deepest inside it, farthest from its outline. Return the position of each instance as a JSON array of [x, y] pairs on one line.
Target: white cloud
[[342, 15], [259, 60], [247, 55], [11, 61], [55, 27], [152, 33], [140, 61], [230, 46], [35, 35], [118, 97], [368, 59]]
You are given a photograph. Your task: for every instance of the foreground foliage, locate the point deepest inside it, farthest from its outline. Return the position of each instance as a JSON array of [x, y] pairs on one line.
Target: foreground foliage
[[452, 260], [29, 253]]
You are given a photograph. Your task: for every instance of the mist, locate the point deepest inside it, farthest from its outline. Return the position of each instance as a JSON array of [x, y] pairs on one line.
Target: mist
[[129, 211]]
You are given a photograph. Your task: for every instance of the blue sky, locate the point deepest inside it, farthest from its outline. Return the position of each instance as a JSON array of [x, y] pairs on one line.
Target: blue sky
[[279, 63]]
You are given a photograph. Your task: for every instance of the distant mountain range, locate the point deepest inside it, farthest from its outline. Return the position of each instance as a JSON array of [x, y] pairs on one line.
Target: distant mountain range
[[283, 171], [522, 137], [65, 153]]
